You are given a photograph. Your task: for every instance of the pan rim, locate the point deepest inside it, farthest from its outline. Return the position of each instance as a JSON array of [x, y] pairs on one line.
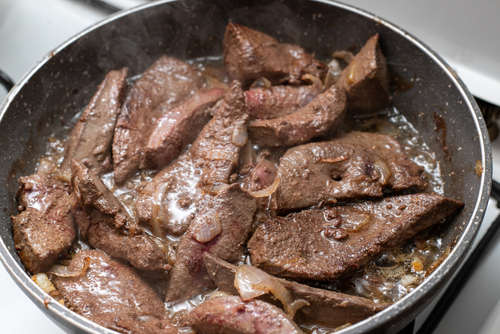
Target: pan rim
[[432, 282]]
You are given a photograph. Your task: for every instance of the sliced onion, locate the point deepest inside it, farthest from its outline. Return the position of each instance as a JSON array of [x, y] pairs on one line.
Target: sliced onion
[[408, 280], [333, 74], [346, 56], [206, 230], [216, 294], [268, 191], [240, 136], [316, 82], [159, 213], [252, 282], [261, 83], [351, 75], [333, 160], [383, 169], [43, 281], [64, 271]]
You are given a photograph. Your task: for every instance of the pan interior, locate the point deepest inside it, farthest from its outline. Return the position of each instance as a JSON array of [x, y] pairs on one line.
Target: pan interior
[[189, 29]]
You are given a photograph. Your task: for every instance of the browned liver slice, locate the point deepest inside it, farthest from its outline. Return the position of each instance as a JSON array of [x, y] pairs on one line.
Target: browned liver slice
[[94, 195], [179, 126], [327, 308], [220, 228], [365, 79], [323, 244], [90, 140], [357, 165], [231, 315], [315, 119], [167, 81], [170, 200], [277, 101], [44, 228], [251, 54], [112, 295], [144, 252], [106, 225]]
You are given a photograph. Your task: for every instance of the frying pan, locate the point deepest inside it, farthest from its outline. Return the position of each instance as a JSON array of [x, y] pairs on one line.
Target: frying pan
[[438, 105]]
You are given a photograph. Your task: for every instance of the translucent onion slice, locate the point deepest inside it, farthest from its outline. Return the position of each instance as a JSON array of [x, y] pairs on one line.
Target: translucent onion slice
[[383, 170], [333, 74], [261, 83], [207, 230], [268, 191], [346, 56], [252, 282], [43, 281], [315, 81], [240, 136], [64, 271]]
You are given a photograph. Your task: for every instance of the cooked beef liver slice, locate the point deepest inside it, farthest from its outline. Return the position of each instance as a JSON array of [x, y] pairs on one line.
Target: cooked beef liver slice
[[93, 194], [277, 101], [231, 315], [216, 150], [167, 81], [251, 54], [322, 244], [106, 225], [170, 200], [179, 126], [142, 251], [357, 165], [220, 228], [90, 140], [44, 228], [327, 308], [315, 119], [365, 79], [112, 295]]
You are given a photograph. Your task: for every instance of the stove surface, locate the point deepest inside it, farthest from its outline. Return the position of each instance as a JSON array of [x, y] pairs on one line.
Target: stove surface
[[29, 29]]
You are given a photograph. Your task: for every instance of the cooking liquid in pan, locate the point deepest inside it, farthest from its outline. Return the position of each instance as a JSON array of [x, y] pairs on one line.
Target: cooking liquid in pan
[[388, 278]]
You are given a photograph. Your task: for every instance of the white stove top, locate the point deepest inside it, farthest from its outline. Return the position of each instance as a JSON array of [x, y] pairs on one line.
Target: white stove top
[[29, 29]]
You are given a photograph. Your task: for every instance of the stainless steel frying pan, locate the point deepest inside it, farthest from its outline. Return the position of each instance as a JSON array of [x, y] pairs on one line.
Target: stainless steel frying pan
[[41, 103]]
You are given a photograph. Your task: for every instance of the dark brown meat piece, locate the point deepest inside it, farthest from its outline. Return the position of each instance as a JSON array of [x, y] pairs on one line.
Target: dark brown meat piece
[[90, 140], [322, 244], [315, 119], [179, 126], [231, 315], [144, 252], [216, 150], [326, 308], [112, 295], [167, 81], [44, 229], [93, 194], [170, 200], [251, 54], [365, 79], [277, 101], [220, 228], [357, 165], [102, 221]]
